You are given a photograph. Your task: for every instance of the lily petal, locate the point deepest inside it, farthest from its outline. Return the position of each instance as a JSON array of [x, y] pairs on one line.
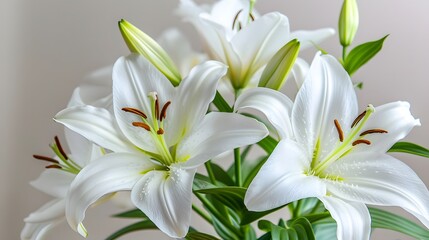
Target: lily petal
[[97, 125], [53, 182], [299, 71], [111, 173], [217, 133], [165, 197], [393, 117], [82, 151], [282, 179], [327, 94], [310, 38], [51, 211], [195, 93], [37, 231], [134, 78], [276, 106], [380, 179]]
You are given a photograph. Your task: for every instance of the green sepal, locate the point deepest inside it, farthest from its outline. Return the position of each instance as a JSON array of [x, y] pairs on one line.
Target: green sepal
[[411, 148], [362, 54], [139, 42], [279, 66]]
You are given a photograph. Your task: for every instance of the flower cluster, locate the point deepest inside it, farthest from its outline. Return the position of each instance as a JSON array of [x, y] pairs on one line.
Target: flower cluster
[[149, 130]]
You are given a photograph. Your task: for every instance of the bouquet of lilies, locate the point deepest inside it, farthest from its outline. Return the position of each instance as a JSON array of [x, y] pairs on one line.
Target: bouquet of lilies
[[166, 128]]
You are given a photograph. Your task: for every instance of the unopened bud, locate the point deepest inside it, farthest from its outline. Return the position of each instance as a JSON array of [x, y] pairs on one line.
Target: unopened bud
[[348, 22]]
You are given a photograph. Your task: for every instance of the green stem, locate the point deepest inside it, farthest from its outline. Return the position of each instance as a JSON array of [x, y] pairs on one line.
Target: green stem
[[344, 54], [210, 172], [202, 214], [237, 165]]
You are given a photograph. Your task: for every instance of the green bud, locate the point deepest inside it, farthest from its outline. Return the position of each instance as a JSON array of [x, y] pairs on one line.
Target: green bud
[[139, 42], [348, 22], [279, 66]]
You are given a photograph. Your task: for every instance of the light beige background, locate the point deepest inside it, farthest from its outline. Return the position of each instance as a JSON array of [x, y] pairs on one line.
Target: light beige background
[[47, 46]]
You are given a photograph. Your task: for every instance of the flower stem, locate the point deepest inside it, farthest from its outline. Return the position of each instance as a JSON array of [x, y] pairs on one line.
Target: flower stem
[[344, 54], [210, 172], [202, 214], [237, 165]]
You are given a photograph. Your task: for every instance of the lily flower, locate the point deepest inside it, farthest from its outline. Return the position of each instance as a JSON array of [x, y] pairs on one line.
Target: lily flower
[[56, 181], [159, 135], [243, 40], [329, 151]]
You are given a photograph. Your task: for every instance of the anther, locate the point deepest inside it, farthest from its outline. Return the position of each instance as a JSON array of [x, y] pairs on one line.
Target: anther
[[142, 125], [235, 18], [53, 166], [157, 109], [339, 130], [359, 141], [60, 148], [356, 121], [43, 158], [376, 130], [135, 111], [160, 131], [252, 17], [163, 114]]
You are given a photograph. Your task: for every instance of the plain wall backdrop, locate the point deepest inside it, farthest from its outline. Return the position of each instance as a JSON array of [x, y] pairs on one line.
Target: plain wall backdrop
[[48, 46]]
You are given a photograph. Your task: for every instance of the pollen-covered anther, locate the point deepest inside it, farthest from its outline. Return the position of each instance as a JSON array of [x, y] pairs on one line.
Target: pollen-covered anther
[[339, 130], [361, 141], [60, 148], [356, 121], [53, 166], [135, 111], [157, 109], [160, 131], [235, 18], [163, 114], [370, 131], [142, 125], [48, 159]]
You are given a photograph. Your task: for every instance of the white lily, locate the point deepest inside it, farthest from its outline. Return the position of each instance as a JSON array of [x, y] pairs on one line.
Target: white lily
[[56, 181], [327, 150], [159, 135], [242, 40]]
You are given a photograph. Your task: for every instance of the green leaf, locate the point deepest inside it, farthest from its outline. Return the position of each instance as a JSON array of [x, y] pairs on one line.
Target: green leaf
[[387, 220], [411, 148], [279, 66], [268, 144], [200, 236], [221, 104], [143, 225], [139, 42], [135, 213], [252, 170], [299, 229], [231, 197], [222, 175], [362, 54], [250, 216], [303, 228]]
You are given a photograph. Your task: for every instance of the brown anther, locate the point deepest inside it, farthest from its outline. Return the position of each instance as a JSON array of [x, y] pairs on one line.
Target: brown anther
[[43, 158], [339, 130], [135, 111], [157, 109], [359, 141], [163, 114], [252, 17], [60, 148], [376, 130], [235, 18], [356, 121], [53, 166], [160, 131], [142, 125]]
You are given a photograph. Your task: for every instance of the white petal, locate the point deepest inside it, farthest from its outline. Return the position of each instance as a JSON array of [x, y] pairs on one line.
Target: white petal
[[53, 182], [82, 151], [217, 133], [310, 38], [299, 71], [133, 79], [393, 117], [225, 12], [37, 231], [111, 173], [379, 179], [165, 197], [50, 212], [276, 106], [327, 94], [260, 40], [283, 179], [195, 93], [353, 219], [97, 125]]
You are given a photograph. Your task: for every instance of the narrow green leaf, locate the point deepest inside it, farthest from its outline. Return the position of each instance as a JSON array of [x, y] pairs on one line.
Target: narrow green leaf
[[139, 42], [268, 144], [250, 216], [200, 236], [383, 219], [362, 54], [143, 225], [222, 175], [279, 66], [221, 104], [411, 148], [135, 213], [231, 197], [303, 228], [252, 171]]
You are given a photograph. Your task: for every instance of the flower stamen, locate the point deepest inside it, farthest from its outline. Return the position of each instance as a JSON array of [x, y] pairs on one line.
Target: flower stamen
[[142, 125], [60, 148], [54, 166], [376, 130], [160, 131], [358, 118], [339, 130], [163, 114], [43, 158], [135, 111], [157, 108], [235, 18], [361, 141]]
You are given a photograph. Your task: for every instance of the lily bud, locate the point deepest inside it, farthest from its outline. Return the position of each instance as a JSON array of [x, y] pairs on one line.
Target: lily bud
[[278, 68], [139, 42], [348, 22]]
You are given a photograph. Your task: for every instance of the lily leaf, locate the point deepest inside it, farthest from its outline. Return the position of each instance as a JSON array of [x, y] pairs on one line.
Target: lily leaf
[[231, 197], [268, 144], [362, 54], [222, 175], [143, 225], [298, 229], [411, 148], [135, 213], [200, 236], [221, 104], [250, 216]]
